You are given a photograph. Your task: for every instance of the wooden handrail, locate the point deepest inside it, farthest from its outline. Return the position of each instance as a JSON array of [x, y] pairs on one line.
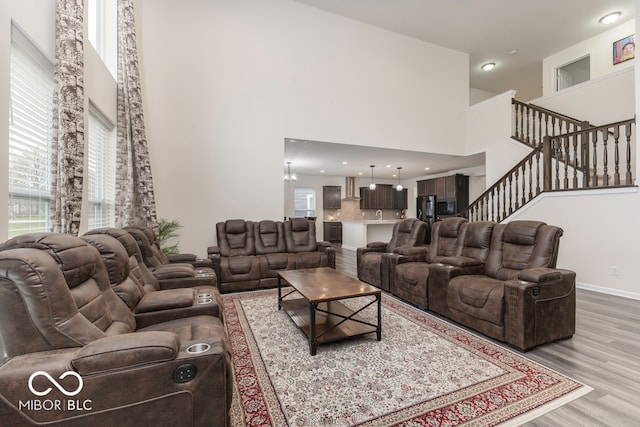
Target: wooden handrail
[[575, 160]]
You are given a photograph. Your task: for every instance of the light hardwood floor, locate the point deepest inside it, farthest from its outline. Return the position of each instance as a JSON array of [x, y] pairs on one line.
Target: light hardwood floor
[[604, 354]]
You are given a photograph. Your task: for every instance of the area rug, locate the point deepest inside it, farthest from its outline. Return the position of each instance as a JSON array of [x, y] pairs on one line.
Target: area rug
[[424, 372]]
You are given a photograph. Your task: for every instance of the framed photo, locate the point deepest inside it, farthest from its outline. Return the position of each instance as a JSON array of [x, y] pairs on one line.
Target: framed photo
[[624, 49]]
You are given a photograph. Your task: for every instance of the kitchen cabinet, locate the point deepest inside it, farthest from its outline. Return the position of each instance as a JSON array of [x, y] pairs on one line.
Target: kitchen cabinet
[[382, 197], [332, 197], [400, 199], [332, 231], [453, 188]]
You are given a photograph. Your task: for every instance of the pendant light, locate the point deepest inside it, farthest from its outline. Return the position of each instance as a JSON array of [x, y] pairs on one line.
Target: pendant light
[[289, 176], [399, 186], [372, 186]]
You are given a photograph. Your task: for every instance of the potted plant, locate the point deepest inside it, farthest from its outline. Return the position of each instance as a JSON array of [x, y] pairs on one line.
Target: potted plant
[[168, 230]]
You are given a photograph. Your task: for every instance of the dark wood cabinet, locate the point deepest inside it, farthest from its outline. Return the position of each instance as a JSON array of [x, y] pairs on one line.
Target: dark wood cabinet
[[332, 231], [448, 188], [385, 196], [401, 199], [332, 197]]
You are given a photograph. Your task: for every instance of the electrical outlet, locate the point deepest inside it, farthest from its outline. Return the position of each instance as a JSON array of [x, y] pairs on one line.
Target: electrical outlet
[[615, 270]]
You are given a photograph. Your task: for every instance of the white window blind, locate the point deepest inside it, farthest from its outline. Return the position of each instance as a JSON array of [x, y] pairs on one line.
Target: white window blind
[[30, 137], [101, 173]]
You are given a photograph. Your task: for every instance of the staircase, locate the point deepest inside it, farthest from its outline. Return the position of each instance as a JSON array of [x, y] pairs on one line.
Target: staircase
[[566, 154]]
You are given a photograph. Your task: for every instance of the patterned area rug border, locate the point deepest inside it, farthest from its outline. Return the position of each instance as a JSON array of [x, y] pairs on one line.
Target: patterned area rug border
[[521, 390]]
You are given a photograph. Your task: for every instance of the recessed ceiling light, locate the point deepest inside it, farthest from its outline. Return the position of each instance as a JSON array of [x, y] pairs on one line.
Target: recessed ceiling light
[[488, 66], [345, 163], [610, 18], [388, 166], [321, 171], [360, 173], [427, 169]]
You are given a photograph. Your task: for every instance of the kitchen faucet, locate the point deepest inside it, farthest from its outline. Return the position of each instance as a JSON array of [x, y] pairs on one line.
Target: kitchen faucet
[[380, 214]]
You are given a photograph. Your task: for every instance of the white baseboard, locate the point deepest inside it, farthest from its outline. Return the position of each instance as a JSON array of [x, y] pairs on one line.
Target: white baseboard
[[608, 291]]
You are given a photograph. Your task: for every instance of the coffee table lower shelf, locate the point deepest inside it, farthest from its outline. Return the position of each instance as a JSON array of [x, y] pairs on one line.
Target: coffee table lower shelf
[[328, 321]]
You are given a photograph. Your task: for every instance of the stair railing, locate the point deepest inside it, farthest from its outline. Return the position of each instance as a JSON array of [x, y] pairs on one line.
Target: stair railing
[[532, 123], [582, 159]]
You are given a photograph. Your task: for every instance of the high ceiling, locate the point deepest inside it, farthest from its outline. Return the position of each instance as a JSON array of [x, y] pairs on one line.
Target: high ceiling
[[490, 30]]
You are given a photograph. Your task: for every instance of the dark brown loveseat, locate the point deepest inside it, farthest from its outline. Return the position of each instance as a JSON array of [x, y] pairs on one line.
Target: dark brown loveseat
[[249, 254], [502, 280]]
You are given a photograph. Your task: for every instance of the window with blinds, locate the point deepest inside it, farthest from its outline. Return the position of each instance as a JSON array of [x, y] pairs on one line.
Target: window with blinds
[[304, 202], [30, 137], [101, 172]]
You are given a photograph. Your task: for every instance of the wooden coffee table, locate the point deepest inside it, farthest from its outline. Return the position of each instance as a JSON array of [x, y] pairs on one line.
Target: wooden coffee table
[[319, 313]]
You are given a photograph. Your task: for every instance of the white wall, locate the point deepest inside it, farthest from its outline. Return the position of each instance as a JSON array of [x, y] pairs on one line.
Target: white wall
[[600, 232], [225, 82], [600, 48]]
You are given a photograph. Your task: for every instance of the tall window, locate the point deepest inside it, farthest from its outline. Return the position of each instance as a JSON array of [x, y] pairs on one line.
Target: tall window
[[102, 31], [305, 202], [30, 137], [101, 171]]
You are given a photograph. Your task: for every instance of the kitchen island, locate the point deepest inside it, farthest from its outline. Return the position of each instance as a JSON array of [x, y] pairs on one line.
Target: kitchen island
[[356, 234]]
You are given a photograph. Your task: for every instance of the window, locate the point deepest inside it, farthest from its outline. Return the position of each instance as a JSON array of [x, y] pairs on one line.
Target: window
[[102, 31], [101, 172], [304, 202], [30, 137], [576, 72]]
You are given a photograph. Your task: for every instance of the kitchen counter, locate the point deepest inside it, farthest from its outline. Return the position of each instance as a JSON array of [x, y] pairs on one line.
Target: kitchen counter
[[356, 234]]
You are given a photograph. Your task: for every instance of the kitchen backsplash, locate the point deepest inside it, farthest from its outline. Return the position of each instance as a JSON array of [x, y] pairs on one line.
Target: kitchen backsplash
[[351, 211]]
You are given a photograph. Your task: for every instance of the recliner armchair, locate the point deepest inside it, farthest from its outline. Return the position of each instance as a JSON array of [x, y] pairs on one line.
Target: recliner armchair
[[372, 261], [520, 297], [139, 288], [171, 274], [59, 315], [409, 268]]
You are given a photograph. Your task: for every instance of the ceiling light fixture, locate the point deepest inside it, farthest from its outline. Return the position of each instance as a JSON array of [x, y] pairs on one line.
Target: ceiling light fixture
[[289, 176], [399, 186], [372, 186], [610, 18], [488, 66]]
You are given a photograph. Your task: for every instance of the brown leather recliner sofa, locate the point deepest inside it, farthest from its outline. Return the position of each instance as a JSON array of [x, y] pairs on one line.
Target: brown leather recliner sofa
[[172, 271], [501, 280], [372, 261], [139, 288], [249, 254], [76, 357]]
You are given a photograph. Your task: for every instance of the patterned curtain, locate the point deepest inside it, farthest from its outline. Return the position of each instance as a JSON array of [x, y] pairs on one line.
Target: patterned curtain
[[135, 201], [68, 118]]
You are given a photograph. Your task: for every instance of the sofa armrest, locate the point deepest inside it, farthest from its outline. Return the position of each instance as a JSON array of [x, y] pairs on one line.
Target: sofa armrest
[[377, 245], [537, 312], [121, 351], [541, 274], [412, 251], [322, 244], [188, 258], [213, 250]]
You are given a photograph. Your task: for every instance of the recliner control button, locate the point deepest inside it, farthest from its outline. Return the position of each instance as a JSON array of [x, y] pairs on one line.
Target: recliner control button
[[184, 373]]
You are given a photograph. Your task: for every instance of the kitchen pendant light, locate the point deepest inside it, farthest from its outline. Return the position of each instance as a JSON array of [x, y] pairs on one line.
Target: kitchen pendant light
[[372, 186], [289, 176], [399, 186]]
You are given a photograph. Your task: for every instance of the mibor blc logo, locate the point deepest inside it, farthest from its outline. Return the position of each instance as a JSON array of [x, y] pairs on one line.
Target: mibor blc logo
[[56, 404]]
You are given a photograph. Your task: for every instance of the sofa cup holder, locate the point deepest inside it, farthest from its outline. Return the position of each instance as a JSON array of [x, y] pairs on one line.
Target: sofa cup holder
[[205, 301], [198, 348], [204, 296]]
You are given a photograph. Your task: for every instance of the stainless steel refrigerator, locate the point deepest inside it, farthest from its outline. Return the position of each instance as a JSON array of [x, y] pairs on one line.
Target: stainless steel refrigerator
[[426, 211]]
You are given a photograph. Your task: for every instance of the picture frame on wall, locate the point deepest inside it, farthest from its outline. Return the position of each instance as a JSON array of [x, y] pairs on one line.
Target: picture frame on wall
[[624, 49]]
